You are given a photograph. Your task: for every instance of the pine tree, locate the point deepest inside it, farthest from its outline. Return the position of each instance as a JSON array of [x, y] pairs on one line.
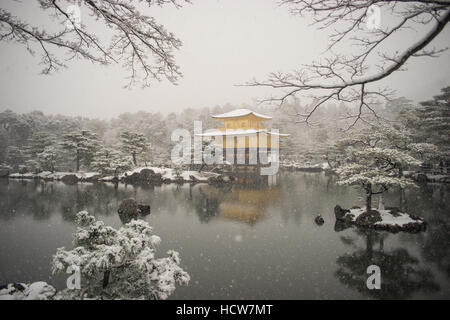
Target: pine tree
[[119, 264], [102, 161], [133, 144], [48, 158], [84, 144], [376, 170], [107, 161], [377, 157], [431, 123], [15, 156], [38, 142]]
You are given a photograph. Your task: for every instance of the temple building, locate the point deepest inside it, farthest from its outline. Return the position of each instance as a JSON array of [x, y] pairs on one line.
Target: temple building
[[246, 138]]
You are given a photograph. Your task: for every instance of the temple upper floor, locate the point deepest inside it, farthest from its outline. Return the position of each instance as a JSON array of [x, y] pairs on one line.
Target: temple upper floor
[[242, 119]]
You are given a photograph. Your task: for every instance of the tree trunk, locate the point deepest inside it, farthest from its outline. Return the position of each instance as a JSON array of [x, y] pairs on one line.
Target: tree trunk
[[368, 197], [106, 278], [369, 244], [381, 202], [402, 200], [328, 161], [78, 160]]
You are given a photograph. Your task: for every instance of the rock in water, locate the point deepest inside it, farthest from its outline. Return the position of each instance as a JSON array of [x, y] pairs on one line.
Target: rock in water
[[135, 177], [340, 213], [319, 220], [144, 209], [341, 225], [129, 207], [148, 175], [70, 179]]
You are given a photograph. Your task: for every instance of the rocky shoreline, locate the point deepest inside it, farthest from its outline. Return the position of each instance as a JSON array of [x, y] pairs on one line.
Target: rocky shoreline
[[140, 175]]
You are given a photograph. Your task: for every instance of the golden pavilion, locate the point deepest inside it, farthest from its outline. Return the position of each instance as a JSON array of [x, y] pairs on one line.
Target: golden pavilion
[[246, 138]]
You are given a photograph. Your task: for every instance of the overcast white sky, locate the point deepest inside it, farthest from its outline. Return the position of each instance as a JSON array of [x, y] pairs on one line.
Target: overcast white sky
[[225, 42]]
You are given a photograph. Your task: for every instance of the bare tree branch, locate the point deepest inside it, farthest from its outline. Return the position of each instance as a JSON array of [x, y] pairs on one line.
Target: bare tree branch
[[348, 77], [143, 46]]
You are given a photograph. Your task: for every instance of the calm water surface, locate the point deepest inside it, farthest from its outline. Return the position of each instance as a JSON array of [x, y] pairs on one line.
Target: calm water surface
[[241, 242]]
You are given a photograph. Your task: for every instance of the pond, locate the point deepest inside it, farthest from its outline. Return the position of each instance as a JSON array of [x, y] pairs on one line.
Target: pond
[[241, 242]]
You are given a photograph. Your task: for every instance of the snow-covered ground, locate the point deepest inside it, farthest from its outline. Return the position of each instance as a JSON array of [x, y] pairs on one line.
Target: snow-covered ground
[[399, 219]]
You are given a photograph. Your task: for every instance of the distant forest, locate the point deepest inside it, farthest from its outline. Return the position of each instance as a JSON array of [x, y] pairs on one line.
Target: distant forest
[[35, 141]]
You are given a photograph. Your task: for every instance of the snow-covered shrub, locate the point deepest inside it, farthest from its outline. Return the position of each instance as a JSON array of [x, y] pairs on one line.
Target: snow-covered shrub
[[21, 291], [119, 264]]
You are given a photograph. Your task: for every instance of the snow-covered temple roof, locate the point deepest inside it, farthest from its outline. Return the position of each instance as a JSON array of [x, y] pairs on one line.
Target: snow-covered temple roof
[[240, 113], [239, 132]]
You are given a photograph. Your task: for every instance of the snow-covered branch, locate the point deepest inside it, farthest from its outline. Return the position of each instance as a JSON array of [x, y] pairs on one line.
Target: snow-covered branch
[[138, 42], [352, 78]]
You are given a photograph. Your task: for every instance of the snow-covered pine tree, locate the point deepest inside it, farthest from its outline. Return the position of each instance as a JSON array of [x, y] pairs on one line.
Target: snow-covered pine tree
[[48, 158], [102, 161], [37, 143], [15, 156], [133, 144], [108, 161], [84, 143], [119, 264], [376, 170], [431, 123], [377, 157]]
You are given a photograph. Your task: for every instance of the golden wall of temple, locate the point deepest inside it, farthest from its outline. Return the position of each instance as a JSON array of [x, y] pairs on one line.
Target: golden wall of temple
[[242, 123]]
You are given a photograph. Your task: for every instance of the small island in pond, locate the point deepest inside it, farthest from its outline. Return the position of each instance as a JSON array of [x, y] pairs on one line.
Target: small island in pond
[[386, 219]]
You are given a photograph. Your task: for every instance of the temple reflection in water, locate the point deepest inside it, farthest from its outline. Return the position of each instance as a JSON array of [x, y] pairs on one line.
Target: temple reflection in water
[[245, 201]]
